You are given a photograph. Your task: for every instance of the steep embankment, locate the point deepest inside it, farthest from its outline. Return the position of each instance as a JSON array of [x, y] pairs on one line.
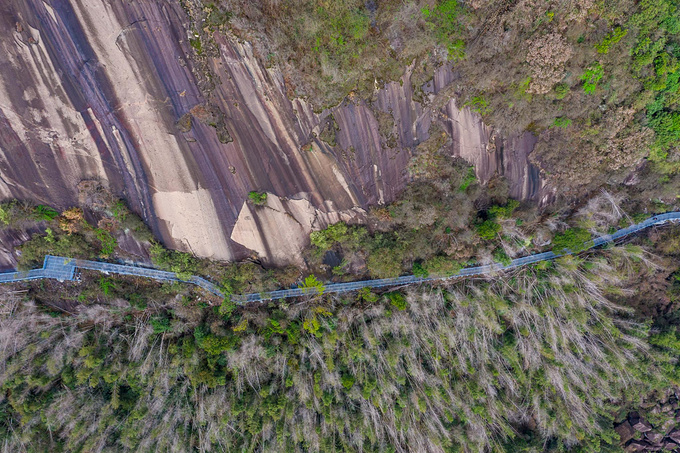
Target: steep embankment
[[110, 91]]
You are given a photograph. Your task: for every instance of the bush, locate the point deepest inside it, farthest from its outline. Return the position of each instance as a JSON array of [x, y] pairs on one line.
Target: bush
[[445, 22], [227, 307], [42, 212], [160, 324], [107, 241], [573, 240], [561, 90], [34, 250], [398, 300], [419, 271], [325, 239], [258, 198], [442, 266], [561, 122], [500, 256], [385, 262], [591, 76], [183, 264], [503, 212], [313, 285], [611, 39], [488, 230]]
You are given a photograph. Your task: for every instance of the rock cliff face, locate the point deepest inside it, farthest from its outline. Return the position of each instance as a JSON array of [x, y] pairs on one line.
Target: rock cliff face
[[110, 90]]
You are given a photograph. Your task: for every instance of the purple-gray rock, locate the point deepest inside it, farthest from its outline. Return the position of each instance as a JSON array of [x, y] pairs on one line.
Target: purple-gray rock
[[625, 431], [641, 425]]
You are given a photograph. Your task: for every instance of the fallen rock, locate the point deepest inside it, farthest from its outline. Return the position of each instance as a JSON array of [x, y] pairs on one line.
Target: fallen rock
[[625, 431], [641, 425], [654, 437], [636, 446], [670, 446], [675, 435]]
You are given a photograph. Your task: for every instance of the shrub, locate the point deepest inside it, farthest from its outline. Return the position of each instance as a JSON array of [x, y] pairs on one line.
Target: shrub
[[500, 256], [42, 212], [347, 381], [573, 240], [561, 90], [478, 104], [612, 38], [444, 20], [227, 307], [160, 324], [398, 300], [442, 266], [107, 241], [488, 230], [470, 177], [503, 212], [182, 263], [419, 271], [258, 198], [561, 122], [591, 76], [326, 238], [313, 285], [367, 295], [34, 250], [384, 262]]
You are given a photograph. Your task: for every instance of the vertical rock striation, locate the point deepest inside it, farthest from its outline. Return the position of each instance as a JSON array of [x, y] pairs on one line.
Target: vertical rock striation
[[112, 91]]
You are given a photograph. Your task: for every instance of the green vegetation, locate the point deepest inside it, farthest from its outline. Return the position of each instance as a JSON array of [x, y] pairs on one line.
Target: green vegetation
[[441, 266], [181, 263], [478, 104], [562, 122], [419, 270], [397, 300], [455, 367], [444, 21], [258, 198], [591, 76], [42, 212], [313, 285], [612, 38], [573, 239], [488, 230]]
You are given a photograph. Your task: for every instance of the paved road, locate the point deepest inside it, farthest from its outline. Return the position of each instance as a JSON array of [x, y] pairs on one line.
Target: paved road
[[62, 269]]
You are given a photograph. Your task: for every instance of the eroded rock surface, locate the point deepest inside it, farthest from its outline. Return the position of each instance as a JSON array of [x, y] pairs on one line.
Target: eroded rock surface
[[111, 91]]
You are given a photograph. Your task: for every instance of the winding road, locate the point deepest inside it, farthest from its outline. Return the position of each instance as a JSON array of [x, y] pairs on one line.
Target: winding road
[[63, 269]]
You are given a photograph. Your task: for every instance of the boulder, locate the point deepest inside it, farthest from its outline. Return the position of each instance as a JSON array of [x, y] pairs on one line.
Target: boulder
[[625, 431], [670, 446], [654, 437], [641, 425], [675, 435], [636, 446]]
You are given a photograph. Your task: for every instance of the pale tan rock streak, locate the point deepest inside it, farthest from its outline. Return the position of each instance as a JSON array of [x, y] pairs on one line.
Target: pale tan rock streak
[[178, 199], [279, 231], [191, 219]]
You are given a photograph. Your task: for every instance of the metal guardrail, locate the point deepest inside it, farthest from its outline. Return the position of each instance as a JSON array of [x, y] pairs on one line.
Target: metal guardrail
[[64, 269]]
